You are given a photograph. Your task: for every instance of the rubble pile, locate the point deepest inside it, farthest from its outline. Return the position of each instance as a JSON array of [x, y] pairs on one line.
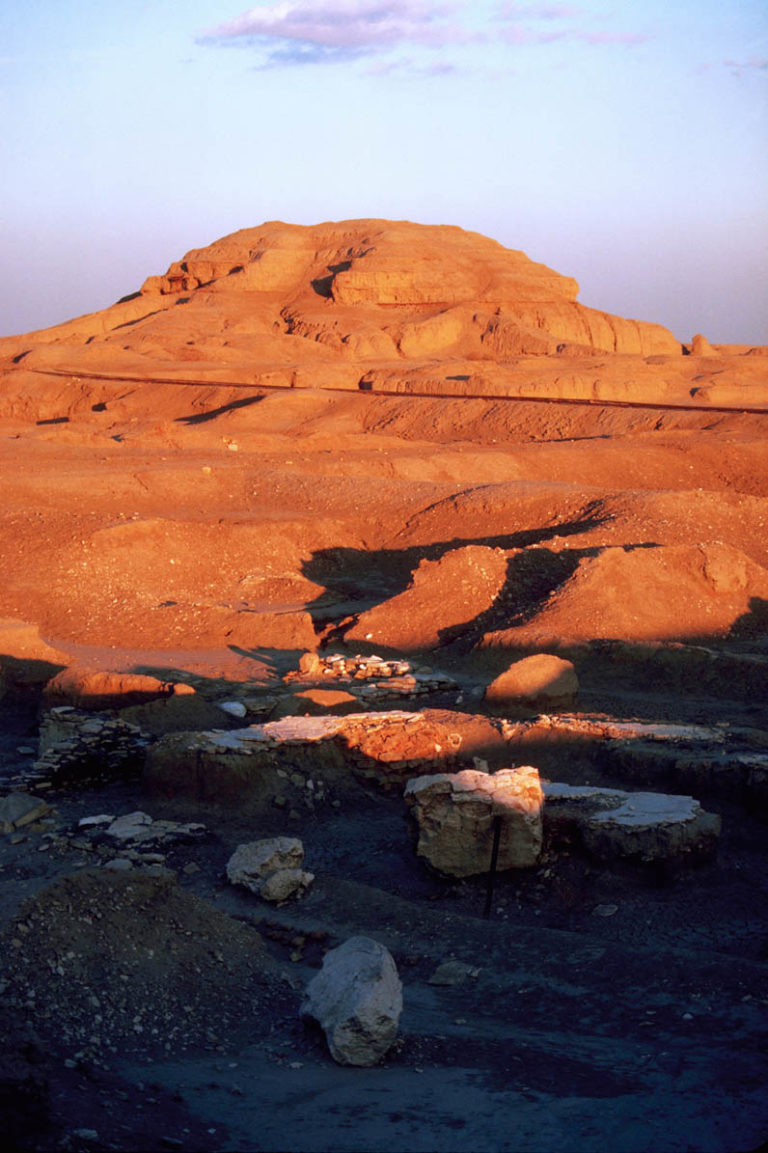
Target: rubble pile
[[372, 678]]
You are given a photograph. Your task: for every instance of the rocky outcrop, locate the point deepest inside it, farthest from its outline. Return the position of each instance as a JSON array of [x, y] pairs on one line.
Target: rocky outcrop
[[455, 813], [19, 809], [104, 690], [357, 999], [307, 306]]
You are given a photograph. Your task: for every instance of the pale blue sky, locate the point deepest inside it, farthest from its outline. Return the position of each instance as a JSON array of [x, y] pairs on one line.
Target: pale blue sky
[[621, 143]]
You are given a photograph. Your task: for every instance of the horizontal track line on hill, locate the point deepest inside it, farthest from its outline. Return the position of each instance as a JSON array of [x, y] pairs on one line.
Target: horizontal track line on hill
[[587, 402]]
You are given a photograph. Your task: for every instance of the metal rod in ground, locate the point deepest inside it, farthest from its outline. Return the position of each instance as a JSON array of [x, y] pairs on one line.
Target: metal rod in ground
[[494, 862]]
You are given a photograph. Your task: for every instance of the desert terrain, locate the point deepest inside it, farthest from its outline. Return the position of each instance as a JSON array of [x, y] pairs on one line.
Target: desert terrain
[[414, 447]]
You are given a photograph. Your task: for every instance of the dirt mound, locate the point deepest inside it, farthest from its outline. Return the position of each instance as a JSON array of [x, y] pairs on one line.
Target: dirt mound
[[127, 963], [442, 595], [641, 594], [287, 298]]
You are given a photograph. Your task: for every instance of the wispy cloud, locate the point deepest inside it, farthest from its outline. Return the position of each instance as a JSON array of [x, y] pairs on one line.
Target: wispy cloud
[[287, 33], [510, 11], [738, 67], [345, 27]]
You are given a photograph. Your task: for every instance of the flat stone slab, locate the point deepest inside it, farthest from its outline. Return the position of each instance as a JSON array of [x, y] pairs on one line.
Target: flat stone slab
[[606, 728], [662, 756], [611, 823]]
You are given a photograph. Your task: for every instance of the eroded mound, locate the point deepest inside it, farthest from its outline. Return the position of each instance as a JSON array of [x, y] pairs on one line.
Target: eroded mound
[[645, 593]]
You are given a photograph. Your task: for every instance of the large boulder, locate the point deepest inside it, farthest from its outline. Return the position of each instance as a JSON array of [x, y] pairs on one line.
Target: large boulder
[[86, 689], [540, 681], [357, 999], [455, 813]]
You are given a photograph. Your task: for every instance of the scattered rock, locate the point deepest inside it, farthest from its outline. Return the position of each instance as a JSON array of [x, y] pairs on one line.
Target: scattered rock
[[131, 827], [453, 973], [271, 868], [233, 708], [454, 814], [93, 822], [19, 809], [357, 999], [310, 665], [284, 883], [605, 910]]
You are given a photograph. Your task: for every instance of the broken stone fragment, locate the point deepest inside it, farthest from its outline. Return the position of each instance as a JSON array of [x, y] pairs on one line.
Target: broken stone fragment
[[454, 815], [535, 682], [310, 665], [453, 973], [285, 883], [357, 999], [273, 864], [131, 827], [19, 809], [612, 823]]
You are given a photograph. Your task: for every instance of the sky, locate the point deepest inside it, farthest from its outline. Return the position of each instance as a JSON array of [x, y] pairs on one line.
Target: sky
[[624, 144]]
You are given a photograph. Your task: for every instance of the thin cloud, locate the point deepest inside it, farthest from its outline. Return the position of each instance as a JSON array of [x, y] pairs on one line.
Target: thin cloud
[[628, 38], [413, 69], [738, 66], [345, 26], [537, 12], [519, 26], [294, 33]]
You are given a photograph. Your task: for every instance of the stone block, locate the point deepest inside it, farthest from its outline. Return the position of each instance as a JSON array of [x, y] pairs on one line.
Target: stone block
[[454, 815], [611, 823]]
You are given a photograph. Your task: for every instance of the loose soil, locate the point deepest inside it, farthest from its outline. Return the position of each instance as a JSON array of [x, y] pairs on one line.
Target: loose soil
[[204, 515]]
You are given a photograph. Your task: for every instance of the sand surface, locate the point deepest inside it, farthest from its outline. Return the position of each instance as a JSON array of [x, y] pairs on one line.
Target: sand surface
[[233, 468]]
